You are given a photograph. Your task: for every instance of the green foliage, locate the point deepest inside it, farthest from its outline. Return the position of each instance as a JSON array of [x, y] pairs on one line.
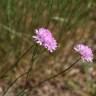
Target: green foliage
[[19, 19]]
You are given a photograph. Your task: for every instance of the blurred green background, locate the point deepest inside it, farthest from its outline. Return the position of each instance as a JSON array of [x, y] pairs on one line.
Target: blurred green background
[[71, 22]]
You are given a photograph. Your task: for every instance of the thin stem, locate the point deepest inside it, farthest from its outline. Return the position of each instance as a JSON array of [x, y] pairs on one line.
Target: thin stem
[[30, 66], [14, 83], [54, 76], [16, 63], [20, 94]]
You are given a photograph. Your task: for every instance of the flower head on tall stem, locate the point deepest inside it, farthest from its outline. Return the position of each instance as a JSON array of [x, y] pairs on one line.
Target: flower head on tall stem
[[85, 52], [44, 37]]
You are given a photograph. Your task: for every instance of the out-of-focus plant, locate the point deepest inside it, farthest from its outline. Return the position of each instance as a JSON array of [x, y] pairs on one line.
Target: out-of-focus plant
[[19, 18]]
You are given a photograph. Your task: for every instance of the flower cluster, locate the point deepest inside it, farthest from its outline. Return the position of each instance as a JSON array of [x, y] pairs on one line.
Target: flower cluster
[[85, 52], [45, 38]]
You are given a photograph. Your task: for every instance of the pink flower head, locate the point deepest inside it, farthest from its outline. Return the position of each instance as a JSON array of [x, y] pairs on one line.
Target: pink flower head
[[45, 38], [85, 52]]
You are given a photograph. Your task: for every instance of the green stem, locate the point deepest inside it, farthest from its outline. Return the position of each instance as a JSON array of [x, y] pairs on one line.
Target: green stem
[[16, 63], [54, 76], [14, 83]]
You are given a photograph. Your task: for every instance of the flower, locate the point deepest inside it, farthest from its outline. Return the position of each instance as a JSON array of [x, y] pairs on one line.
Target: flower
[[44, 37], [85, 52]]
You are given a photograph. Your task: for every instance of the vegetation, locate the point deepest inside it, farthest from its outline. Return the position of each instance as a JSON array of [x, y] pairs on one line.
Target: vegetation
[[71, 22]]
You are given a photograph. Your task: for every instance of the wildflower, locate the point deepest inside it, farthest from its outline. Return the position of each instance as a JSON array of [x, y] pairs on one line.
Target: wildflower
[[44, 37], [85, 52]]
